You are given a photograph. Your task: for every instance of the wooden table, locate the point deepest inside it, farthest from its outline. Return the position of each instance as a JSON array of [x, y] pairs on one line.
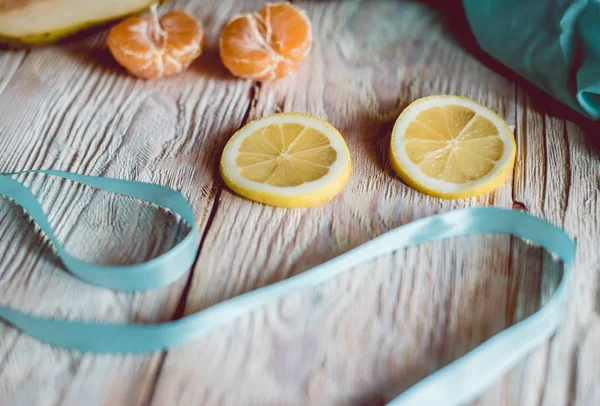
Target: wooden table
[[360, 339]]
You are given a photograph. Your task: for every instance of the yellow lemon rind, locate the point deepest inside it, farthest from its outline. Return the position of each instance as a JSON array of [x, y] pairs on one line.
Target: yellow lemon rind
[[315, 198]]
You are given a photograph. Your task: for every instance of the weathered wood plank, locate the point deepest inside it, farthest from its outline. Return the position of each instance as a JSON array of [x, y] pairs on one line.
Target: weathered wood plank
[[559, 174], [374, 332], [70, 107], [365, 336], [10, 61]]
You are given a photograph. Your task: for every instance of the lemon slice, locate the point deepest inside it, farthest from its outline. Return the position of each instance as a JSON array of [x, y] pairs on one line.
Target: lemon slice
[[288, 160], [452, 147]]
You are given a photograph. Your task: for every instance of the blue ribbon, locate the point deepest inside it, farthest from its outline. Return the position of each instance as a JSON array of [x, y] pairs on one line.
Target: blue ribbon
[[459, 382]]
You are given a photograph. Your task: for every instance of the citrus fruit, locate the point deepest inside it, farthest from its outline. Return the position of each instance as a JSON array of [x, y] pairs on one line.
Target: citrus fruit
[[150, 48], [288, 160], [37, 22], [452, 147], [268, 44]]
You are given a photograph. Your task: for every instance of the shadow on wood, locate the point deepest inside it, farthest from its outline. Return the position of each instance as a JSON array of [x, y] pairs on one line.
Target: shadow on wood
[[457, 25]]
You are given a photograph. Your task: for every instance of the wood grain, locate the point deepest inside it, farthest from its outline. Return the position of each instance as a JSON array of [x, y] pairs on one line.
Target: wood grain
[[371, 334], [9, 64], [558, 175], [360, 339], [70, 107]]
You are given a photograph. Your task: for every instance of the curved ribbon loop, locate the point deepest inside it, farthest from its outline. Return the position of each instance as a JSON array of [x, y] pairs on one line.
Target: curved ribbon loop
[[457, 383]]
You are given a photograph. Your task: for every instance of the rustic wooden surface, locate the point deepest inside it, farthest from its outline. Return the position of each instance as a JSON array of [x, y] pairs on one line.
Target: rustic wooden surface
[[360, 339]]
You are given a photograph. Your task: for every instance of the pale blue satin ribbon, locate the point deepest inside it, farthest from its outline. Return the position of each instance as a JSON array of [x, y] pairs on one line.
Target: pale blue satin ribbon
[[458, 383]]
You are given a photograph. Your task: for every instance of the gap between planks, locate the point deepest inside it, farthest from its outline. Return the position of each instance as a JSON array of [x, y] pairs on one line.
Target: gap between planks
[[180, 309]]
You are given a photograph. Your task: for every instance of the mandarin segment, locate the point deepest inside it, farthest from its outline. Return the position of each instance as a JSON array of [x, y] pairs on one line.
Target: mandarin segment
[[150, 48], [240, 51], [268, 44]]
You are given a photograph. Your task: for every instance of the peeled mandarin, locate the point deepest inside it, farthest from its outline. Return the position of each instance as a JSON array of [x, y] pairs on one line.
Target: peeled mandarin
[[150, 48], [268, 44]]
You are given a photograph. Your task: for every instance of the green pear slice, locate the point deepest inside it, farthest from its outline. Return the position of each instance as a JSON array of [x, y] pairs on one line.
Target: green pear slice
[[35, 22]]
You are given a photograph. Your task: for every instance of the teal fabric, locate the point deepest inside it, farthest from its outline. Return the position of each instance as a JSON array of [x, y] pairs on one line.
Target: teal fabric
[[555, 44], [457, 383]]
